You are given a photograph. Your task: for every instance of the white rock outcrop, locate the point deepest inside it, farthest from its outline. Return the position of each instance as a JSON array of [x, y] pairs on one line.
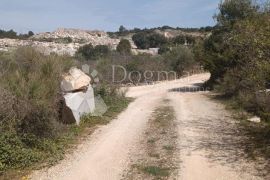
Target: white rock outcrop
[[75, 80], [44, 47], [79, 38]]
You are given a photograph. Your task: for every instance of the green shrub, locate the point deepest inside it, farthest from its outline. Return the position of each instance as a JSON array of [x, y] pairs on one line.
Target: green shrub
[[122, 31], [14, 153], [164, 49], [124, 47], [102, 50], [89, 52], [179, 59], [179, 40], [237, 54], [146, 40], [32, 89], [141, 40]]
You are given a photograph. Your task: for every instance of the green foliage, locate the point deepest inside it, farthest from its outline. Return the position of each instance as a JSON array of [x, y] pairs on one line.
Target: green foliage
[[14, 153], [146, 40], [180, 58], [101, 51], [89, 52], [124, 47], [156, 40], [156, 67], [182, 39], [31, 132], [237, 55], [122, 31], [156, 171], [235, 10], [8, 34], [179, 40], [31, 88], [218, 57], [141, 40], [13, 35], [30, 33], [198, 51], [64, 40], [164, 49]]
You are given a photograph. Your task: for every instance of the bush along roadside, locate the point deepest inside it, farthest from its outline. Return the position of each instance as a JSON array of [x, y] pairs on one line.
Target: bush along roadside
[[30, 152], [237, 55], [32, 135]]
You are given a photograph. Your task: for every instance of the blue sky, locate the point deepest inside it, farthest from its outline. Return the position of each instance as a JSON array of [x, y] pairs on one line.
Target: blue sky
[[41, 16]]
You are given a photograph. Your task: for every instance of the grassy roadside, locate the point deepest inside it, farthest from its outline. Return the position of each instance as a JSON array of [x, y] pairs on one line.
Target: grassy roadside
[[159, 146], [50, 151]]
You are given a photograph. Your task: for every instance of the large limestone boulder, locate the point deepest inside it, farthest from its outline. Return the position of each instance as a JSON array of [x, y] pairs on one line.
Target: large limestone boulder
[[78, 104], [78, 96], [75, 80]]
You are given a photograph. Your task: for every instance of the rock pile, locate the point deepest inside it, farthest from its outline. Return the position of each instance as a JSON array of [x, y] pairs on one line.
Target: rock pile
[[44, 47], [79, 38]]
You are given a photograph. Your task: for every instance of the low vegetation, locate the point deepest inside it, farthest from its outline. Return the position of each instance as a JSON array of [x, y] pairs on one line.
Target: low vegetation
[[64, 40], [146, 40], [31, 130], [89, 52]]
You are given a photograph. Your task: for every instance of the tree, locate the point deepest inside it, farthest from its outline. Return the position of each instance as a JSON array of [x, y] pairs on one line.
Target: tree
[[156, 40], [218, 58], [146, 40], [30, 33], [90, 52], [232, 10], [123, 31], [237, 55], [86, 51], [141, 40], [124, 47], [180, 58]]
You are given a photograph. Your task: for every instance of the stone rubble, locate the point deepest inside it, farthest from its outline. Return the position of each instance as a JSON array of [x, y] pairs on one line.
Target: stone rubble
[[47, 42], [79, 38]]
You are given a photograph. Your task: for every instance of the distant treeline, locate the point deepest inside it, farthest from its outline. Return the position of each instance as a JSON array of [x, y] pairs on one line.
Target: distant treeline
[[124, 31], [14, 35]]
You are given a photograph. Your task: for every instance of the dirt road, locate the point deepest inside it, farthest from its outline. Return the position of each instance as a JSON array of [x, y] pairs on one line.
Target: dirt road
[[206, 138]]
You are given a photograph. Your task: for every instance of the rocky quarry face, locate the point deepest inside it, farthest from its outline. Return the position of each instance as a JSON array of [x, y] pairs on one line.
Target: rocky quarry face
[[50, 42]]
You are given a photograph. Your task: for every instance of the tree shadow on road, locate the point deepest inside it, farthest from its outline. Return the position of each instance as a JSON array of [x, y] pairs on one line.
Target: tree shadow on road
[[230, 141]]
